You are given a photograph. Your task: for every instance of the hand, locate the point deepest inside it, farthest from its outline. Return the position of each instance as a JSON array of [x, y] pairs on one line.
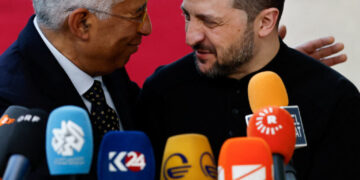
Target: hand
[[320, 49]]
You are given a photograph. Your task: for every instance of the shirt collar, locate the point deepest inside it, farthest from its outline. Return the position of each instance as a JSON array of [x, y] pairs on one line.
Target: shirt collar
[[81, 80]]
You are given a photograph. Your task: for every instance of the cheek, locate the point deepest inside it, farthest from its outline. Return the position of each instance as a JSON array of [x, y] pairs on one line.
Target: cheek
[[119, 34]]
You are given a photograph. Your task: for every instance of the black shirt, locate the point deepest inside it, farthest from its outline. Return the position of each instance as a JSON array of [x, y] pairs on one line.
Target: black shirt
[[177, 99]]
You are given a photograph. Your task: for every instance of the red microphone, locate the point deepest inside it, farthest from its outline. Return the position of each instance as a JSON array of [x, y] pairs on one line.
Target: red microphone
[[276, 127], [245, 158]]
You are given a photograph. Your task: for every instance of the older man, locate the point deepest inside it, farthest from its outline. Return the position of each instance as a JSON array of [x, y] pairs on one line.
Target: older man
[[206, 91], [69, 48]]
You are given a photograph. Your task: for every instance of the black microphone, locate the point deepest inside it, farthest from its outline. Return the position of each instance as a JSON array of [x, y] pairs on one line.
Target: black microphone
[[26, 143], [6, 129]]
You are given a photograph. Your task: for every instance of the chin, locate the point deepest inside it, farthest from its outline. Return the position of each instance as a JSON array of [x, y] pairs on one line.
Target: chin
[[204, 67]]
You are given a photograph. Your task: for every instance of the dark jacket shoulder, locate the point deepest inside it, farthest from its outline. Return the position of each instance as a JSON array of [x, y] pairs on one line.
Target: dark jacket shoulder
[[182, 70]]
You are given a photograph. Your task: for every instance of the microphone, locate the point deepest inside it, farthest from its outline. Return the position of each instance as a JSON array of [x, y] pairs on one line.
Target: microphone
[[17, 167], [188, 157], [266, 89], [276, 127], [245, 158], [69, 141], [126, 155], [24, 142], [6, 130]]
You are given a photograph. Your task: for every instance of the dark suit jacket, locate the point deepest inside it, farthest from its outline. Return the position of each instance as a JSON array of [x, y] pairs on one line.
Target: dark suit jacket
[[30, 76]]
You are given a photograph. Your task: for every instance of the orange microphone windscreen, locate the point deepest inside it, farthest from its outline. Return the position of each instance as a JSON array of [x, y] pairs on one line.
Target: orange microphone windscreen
[[266, 89], [276, 127], [245, 158], [188, 157]]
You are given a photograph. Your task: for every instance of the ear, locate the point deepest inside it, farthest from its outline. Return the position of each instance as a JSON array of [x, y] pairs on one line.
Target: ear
[[267, 21], [79, 23]]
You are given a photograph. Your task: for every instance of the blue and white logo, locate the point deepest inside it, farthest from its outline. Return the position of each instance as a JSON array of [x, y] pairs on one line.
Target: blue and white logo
[[68, 138], [69, 141]]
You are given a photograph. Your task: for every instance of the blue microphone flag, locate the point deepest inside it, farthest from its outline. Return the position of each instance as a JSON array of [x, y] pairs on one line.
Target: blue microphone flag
[[69, 141], [126, 155]]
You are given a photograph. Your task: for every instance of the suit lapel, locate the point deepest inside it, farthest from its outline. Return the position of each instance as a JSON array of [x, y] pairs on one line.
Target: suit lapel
[[53, 88], [45, 73]]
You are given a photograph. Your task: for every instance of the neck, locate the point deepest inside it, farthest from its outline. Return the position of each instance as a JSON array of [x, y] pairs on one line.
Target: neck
[[63, 43], [264, 51]]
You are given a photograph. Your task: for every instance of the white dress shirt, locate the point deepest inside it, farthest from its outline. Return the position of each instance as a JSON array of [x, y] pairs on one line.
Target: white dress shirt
[[81, 80]]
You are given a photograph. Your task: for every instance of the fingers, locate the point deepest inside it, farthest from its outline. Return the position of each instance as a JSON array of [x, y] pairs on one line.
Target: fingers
[[313, 45], [322, 49], [334, 60], [282, 31], [328, 51]]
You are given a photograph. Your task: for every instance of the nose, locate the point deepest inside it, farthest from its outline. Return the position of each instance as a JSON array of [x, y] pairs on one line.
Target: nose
[[145, 28], [194, 33]]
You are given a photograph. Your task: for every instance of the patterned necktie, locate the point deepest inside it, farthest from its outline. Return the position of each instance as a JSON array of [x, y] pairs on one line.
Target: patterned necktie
[[102, 116]]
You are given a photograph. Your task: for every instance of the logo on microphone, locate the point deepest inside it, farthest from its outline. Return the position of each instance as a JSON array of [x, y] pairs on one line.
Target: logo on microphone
[[255, 172], [175, 172], [29, 118], [124, 161], [5, 119], [267, 123], [68, 138], [207, 164]]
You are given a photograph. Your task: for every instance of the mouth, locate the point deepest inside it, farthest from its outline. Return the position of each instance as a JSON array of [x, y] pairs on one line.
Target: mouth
[[135, 42], [203, 54]]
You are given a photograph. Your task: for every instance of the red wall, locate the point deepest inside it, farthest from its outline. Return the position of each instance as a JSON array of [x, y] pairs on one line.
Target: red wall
[[164, 45], [14, 15]]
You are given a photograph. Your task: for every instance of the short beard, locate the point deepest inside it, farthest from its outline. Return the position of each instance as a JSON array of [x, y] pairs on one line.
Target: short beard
[[234, 57]]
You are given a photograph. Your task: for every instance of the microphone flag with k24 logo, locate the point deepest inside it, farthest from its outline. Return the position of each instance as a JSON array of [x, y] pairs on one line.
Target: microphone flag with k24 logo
[[69, 141], [126, 155], [188, 157], [245, 158]]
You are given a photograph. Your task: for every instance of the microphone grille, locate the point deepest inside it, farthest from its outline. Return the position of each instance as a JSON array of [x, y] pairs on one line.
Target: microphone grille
[[266, 89]]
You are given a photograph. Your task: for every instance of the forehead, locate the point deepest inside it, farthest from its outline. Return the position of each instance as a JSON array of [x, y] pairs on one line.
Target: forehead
[[207, 6], [131, 6]]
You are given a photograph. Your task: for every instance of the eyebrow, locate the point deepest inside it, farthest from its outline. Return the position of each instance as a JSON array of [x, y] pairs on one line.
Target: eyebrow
[[202, 16]]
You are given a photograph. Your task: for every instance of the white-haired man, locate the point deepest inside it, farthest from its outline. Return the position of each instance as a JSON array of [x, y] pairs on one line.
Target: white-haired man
[[66, 50]]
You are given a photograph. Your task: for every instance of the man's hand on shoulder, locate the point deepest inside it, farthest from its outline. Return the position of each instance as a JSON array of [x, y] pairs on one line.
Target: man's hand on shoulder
[[320, 49]]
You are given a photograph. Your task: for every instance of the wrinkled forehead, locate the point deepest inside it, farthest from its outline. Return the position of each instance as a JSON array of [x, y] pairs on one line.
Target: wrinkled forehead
[[207, 6]]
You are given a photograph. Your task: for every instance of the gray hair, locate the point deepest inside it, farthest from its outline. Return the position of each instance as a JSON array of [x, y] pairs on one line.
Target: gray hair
[[52, 13]]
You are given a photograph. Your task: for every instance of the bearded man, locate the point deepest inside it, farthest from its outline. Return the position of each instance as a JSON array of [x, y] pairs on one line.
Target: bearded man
[[206, 91]]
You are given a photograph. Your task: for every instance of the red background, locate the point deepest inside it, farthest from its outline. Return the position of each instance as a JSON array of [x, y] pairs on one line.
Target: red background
[[164, 45]]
